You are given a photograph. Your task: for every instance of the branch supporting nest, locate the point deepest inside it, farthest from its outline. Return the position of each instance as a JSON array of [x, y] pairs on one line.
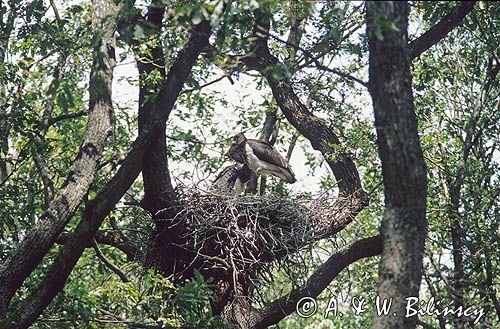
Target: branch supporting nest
[[236, 234]]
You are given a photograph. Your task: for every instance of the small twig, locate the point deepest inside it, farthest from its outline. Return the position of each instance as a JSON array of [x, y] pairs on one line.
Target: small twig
[[62, 117], [108, 263], [205, 85], [318, 64]]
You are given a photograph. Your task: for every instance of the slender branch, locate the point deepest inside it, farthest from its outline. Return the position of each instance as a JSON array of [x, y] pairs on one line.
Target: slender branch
[[56, 12], [318, 65], [206, 84], [108, 263], [297, 28], [319, 280], [293, 143]]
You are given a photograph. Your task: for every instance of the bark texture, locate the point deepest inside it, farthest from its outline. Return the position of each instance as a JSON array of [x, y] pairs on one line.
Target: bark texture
[[98, 208], [37, 243], [403, 226], [441, 29]]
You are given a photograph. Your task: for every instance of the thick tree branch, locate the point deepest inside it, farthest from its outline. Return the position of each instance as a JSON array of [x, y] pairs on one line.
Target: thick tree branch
[[97, 209], [441, 29], [158, 189], [319, 280], [39, 240]]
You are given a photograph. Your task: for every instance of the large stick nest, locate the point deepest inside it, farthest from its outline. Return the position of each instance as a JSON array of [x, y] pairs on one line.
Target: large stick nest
[[245, 232]]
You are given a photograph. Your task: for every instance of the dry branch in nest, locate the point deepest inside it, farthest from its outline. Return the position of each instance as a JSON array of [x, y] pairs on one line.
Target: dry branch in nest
[[237, 233]]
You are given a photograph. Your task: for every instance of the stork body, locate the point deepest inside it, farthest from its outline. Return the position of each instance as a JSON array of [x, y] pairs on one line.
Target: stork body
[[261, 158], [232, 179]]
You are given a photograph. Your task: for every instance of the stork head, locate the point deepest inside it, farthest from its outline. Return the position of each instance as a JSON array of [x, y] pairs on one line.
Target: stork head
[[240, 138], [237, 141]]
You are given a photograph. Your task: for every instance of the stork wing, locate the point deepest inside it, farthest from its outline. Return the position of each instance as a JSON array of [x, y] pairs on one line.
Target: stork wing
[[237, 152], [266, 152]]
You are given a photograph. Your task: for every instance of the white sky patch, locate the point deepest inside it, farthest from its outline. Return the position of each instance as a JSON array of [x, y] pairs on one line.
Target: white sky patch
[[242, 94]]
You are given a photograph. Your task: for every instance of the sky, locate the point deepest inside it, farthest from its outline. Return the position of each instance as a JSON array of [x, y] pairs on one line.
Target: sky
[[244, 94]]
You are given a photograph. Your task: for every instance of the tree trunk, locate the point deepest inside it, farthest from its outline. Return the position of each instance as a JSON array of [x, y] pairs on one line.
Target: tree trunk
[[234, 303], [404, 225], [40, 239], [6, 28]]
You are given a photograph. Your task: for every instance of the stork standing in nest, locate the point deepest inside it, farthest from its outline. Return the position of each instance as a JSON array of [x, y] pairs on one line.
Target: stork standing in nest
[[260, 157], [232, 179]]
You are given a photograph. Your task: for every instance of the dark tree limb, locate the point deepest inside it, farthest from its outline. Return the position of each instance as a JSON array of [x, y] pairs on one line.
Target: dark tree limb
[[56, 12], [404, 225], [441, 29], [113, 239], [297, 28], [319, 280], [62, 117], [98, 208], [159, 196], [158, 189], [321, 137], [39, 240]]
